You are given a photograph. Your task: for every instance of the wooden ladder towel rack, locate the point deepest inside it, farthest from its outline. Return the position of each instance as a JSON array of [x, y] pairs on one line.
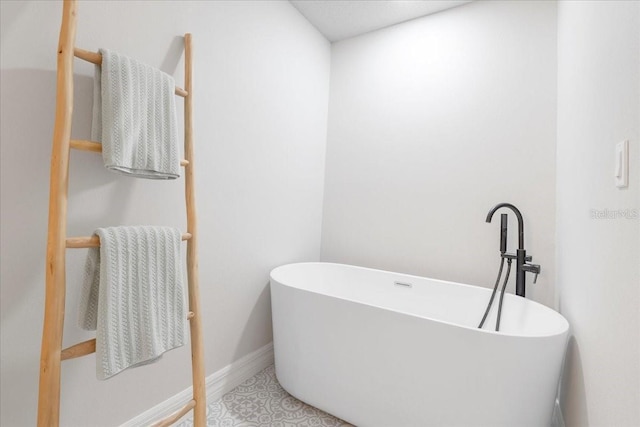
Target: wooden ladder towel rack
[[52, 352]]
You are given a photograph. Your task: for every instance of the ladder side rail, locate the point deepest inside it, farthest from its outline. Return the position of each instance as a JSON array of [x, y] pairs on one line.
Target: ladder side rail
[[197, 346], [51, 349]]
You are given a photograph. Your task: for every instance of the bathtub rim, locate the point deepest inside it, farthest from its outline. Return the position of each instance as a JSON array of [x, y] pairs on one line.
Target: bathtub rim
[[563, 329]]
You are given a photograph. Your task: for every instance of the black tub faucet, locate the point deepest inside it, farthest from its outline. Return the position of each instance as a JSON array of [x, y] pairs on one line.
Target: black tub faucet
[[522, 264]]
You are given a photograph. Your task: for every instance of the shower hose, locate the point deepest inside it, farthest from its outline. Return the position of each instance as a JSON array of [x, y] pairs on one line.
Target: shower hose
[[493, 294]]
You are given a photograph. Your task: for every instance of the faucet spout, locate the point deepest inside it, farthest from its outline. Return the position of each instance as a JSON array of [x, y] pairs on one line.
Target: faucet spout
[[518, 216]]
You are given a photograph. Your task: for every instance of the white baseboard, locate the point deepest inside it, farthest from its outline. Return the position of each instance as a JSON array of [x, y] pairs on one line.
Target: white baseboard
[[218, 383]]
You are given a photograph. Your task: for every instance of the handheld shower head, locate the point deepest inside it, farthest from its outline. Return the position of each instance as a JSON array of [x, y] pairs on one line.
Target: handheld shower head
[[503, 233]]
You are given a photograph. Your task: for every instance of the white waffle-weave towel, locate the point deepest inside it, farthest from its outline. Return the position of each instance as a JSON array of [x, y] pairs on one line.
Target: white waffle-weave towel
[[134, 116], [133, 297]]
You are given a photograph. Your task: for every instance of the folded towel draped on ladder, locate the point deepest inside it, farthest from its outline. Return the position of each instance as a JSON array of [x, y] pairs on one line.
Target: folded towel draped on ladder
[[134, 116], [132, 296]]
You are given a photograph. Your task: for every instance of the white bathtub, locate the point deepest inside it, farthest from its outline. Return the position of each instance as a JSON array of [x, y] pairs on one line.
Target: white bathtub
[[350, 341]]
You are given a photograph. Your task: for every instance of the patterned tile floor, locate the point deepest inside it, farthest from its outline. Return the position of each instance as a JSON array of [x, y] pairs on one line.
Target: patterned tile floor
[[262, 402]]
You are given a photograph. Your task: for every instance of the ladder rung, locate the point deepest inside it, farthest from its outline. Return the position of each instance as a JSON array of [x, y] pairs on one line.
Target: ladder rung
[[84, 145], [96, 147], [81, 349], [176, 415], [94, 241], [93, 57], [96, 58], [181, 92], [89, 346]]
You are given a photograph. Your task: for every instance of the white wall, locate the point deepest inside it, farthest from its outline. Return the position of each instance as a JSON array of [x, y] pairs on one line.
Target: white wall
[[431, 123], [599, 259], [261, 76]]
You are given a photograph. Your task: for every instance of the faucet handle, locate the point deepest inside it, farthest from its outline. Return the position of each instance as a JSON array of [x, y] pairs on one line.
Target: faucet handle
[[532, 268]]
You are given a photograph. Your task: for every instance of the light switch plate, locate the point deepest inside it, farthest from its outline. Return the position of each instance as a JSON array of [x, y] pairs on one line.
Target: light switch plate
[[621, 171]]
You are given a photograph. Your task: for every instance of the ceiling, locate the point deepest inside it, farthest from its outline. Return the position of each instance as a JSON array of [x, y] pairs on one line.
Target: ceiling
[[341, 19]]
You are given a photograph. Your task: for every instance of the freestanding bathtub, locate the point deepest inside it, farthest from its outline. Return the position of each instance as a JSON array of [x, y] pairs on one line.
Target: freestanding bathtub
[[384, 349]]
